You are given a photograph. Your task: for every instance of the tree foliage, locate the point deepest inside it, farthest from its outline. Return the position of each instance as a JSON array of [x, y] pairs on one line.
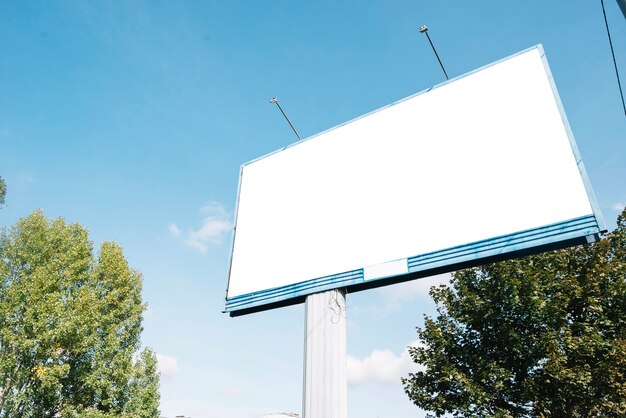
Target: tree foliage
[[70, 324], [3, 191], [542, 336]]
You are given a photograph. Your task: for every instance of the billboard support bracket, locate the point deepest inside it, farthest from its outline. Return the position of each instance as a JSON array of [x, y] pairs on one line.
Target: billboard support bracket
[[275, 100]]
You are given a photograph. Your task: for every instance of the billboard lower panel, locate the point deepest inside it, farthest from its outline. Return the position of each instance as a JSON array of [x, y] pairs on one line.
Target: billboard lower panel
[[557, 235]]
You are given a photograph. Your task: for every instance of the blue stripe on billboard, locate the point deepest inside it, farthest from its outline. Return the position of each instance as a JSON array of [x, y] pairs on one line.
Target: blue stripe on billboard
[[308, 287], [586, 226]]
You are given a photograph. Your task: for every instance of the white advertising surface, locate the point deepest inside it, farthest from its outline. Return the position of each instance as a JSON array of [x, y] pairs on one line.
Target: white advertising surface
[[485, 155]]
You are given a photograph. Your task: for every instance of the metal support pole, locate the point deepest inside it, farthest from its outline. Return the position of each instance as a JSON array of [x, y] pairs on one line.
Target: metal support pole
[[325, 380]]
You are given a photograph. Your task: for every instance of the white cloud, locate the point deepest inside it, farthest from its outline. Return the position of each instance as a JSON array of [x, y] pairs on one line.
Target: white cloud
[[619, 206], [174, 230], [216, 224], [168, 366], [397, 295], [381, 366], [232, 390]]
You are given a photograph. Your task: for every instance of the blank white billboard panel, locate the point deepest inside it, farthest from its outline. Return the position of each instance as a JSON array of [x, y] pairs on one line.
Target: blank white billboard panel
[[482, 167]]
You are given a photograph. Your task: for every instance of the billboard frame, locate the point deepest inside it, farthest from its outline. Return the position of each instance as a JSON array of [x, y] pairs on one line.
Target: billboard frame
[[554, 236]]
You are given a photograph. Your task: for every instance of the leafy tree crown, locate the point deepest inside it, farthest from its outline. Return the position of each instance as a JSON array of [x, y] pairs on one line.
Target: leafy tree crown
[[70, 325], [541, 336]]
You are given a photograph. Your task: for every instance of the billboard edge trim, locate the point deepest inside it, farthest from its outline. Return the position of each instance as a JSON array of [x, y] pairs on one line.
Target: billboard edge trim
[[572, 141], [582, 227]]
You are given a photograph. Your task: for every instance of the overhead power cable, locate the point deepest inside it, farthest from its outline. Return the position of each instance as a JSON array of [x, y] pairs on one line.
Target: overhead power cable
[[608, 32]]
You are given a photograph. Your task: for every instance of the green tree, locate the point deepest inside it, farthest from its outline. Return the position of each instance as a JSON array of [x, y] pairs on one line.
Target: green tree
[[542, 336], [70, 326], [3, 191], [144, 387]]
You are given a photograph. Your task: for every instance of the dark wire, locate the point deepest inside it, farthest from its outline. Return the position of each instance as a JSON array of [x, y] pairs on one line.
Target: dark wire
[[608, 32]]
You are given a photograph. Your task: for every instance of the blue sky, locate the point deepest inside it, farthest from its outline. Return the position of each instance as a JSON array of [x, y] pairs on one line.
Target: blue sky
[[132, 118]]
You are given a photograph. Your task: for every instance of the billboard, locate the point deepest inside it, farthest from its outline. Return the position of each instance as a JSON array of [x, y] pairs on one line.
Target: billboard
[[481, 168]]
